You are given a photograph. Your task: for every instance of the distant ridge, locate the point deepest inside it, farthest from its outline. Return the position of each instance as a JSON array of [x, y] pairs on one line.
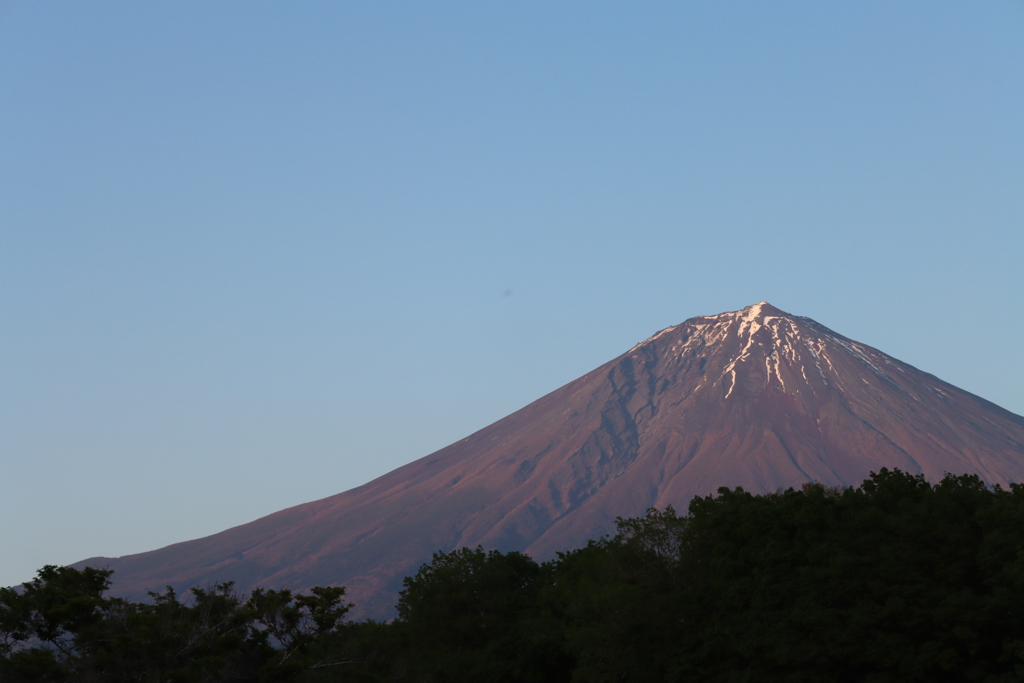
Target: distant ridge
[[756, 398]]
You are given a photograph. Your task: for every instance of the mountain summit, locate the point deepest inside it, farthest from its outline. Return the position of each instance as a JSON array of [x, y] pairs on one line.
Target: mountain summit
[[756, 398]]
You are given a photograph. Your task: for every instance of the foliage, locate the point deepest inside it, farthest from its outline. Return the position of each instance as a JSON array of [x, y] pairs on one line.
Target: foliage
[[472, 615], [61, 628], [896, 580]]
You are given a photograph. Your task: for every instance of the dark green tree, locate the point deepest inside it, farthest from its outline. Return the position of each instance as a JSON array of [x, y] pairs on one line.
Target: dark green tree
[[472, 615]]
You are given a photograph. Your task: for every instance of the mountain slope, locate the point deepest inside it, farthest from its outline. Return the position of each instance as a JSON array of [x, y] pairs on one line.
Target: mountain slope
[[755, 398]]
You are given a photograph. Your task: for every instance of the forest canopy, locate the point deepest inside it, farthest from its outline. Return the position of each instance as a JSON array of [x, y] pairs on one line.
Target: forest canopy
[[895, 580]]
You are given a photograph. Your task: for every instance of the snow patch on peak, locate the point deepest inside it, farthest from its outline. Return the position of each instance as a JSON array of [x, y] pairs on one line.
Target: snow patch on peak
[[746, 313], [751, 312], [753, 318]]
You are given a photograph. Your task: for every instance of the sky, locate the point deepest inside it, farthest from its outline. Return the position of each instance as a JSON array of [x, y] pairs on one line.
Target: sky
[[256, 254]]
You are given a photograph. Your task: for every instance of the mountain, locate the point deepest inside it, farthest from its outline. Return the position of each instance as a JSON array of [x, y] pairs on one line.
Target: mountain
[[756, 398]]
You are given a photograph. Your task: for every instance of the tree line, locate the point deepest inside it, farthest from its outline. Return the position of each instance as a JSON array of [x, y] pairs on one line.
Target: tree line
[[894, 580]]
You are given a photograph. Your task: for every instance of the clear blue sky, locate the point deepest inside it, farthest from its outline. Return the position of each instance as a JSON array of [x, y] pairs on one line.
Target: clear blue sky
[[254, 254]]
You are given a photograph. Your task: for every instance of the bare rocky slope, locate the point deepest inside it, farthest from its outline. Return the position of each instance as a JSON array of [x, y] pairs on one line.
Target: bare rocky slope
[[756, 398]]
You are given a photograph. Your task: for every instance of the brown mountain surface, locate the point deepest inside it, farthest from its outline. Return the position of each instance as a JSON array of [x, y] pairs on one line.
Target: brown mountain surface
[[756, 398]]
